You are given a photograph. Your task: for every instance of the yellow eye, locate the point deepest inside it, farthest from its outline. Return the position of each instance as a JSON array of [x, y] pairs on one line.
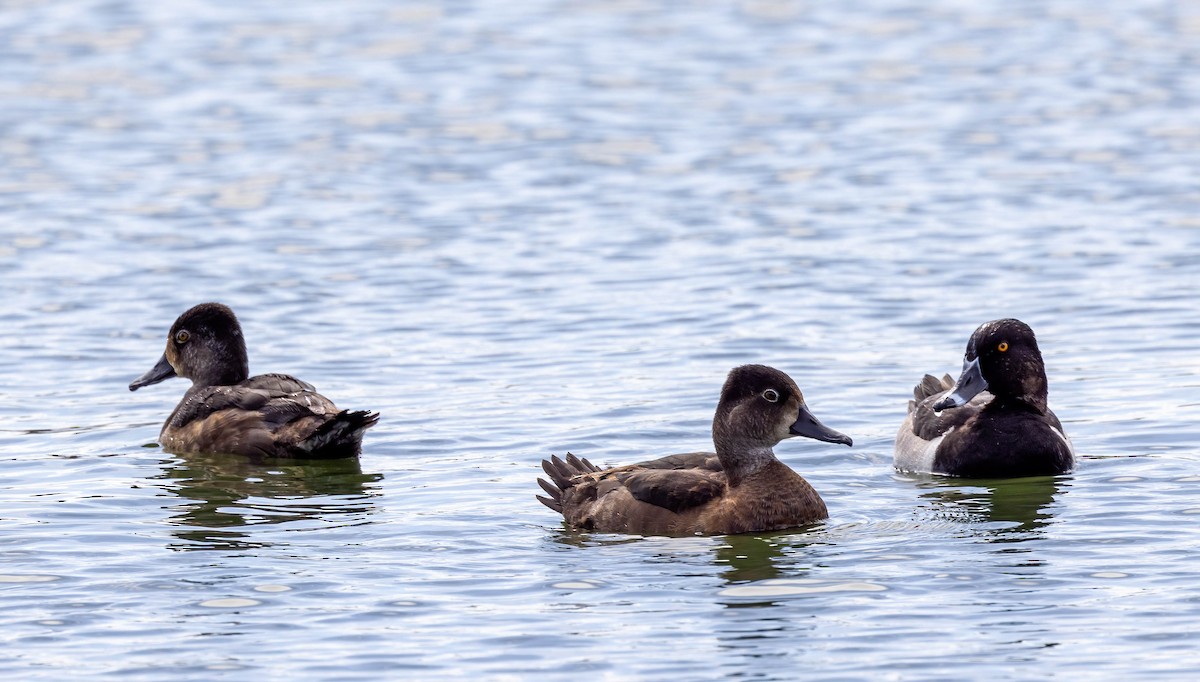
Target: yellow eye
[[1002, 347], [181, 337]]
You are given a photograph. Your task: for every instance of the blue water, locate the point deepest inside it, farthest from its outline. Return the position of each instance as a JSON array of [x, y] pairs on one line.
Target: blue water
[[518, 229]]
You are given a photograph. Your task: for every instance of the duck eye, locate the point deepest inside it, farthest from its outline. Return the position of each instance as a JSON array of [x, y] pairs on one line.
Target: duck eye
[[770, 395], [1002, 347], [181, 337]]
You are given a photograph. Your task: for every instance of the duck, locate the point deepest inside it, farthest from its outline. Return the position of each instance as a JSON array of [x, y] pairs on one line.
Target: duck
[[740, 488], [994, 421], [228, 411]]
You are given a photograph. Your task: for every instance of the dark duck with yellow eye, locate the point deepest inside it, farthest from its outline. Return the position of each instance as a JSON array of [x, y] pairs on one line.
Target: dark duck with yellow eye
[[740, 488], [226, 410], [994, 421]]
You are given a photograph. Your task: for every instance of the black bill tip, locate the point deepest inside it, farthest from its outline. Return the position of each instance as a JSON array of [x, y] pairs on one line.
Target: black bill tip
[[809, 426], [160, 371]]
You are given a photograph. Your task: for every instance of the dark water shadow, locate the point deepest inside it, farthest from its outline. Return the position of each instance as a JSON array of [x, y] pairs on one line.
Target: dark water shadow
[[755, 557], [745, 557], [1014, 509], [566, 535], [223, 497], [741, 559]]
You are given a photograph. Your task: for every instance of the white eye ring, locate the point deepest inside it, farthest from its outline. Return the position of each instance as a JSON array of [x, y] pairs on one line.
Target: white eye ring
[[770, 395]]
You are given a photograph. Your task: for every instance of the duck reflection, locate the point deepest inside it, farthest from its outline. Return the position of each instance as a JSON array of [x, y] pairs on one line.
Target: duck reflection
[[741, 560], [744, 558], [1021, 504], [750, 558], [224, 496]]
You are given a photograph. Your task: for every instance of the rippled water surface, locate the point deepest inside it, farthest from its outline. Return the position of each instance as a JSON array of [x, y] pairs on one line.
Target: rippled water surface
[[518, 229]]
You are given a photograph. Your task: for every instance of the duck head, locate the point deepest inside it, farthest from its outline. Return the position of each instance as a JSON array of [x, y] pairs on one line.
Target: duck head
[[205, 345], [759, 407], [1002, 358]]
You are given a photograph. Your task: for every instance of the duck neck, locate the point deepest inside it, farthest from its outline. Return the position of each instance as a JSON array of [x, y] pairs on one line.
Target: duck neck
[[1017, 403], [742, 459], [224, 366], [1035, 392], [1029, 393], [1019, 382]]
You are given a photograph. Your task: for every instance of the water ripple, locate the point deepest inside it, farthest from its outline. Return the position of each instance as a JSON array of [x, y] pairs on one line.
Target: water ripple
[[524, 229]]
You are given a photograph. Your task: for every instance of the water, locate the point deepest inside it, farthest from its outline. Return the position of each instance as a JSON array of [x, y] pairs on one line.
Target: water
[[518, 229]]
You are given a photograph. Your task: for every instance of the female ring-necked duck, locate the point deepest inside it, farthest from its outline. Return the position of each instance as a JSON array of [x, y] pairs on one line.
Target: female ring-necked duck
[[740, 488], [270, 415], [993, 422]]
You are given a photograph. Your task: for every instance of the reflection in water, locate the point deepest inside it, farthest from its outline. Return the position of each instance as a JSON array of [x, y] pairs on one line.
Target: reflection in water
[[567, 535], [744, 558], [1021, 503], [749, 557], [751, 626], [222, 493]]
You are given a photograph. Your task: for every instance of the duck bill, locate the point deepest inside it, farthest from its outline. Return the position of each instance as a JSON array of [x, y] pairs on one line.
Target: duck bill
[[162, 370], [970, 384], [809, 426]]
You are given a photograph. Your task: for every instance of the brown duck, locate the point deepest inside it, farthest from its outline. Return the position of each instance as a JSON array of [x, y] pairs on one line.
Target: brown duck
[[226, 410], [740, 488]]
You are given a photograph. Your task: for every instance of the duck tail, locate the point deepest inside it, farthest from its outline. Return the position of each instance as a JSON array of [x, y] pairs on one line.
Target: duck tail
[[561, 474], [340, 436], [931, 385]]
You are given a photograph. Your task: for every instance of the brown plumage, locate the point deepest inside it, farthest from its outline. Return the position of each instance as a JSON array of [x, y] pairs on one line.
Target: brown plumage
[[270, 415], [740, 488]]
